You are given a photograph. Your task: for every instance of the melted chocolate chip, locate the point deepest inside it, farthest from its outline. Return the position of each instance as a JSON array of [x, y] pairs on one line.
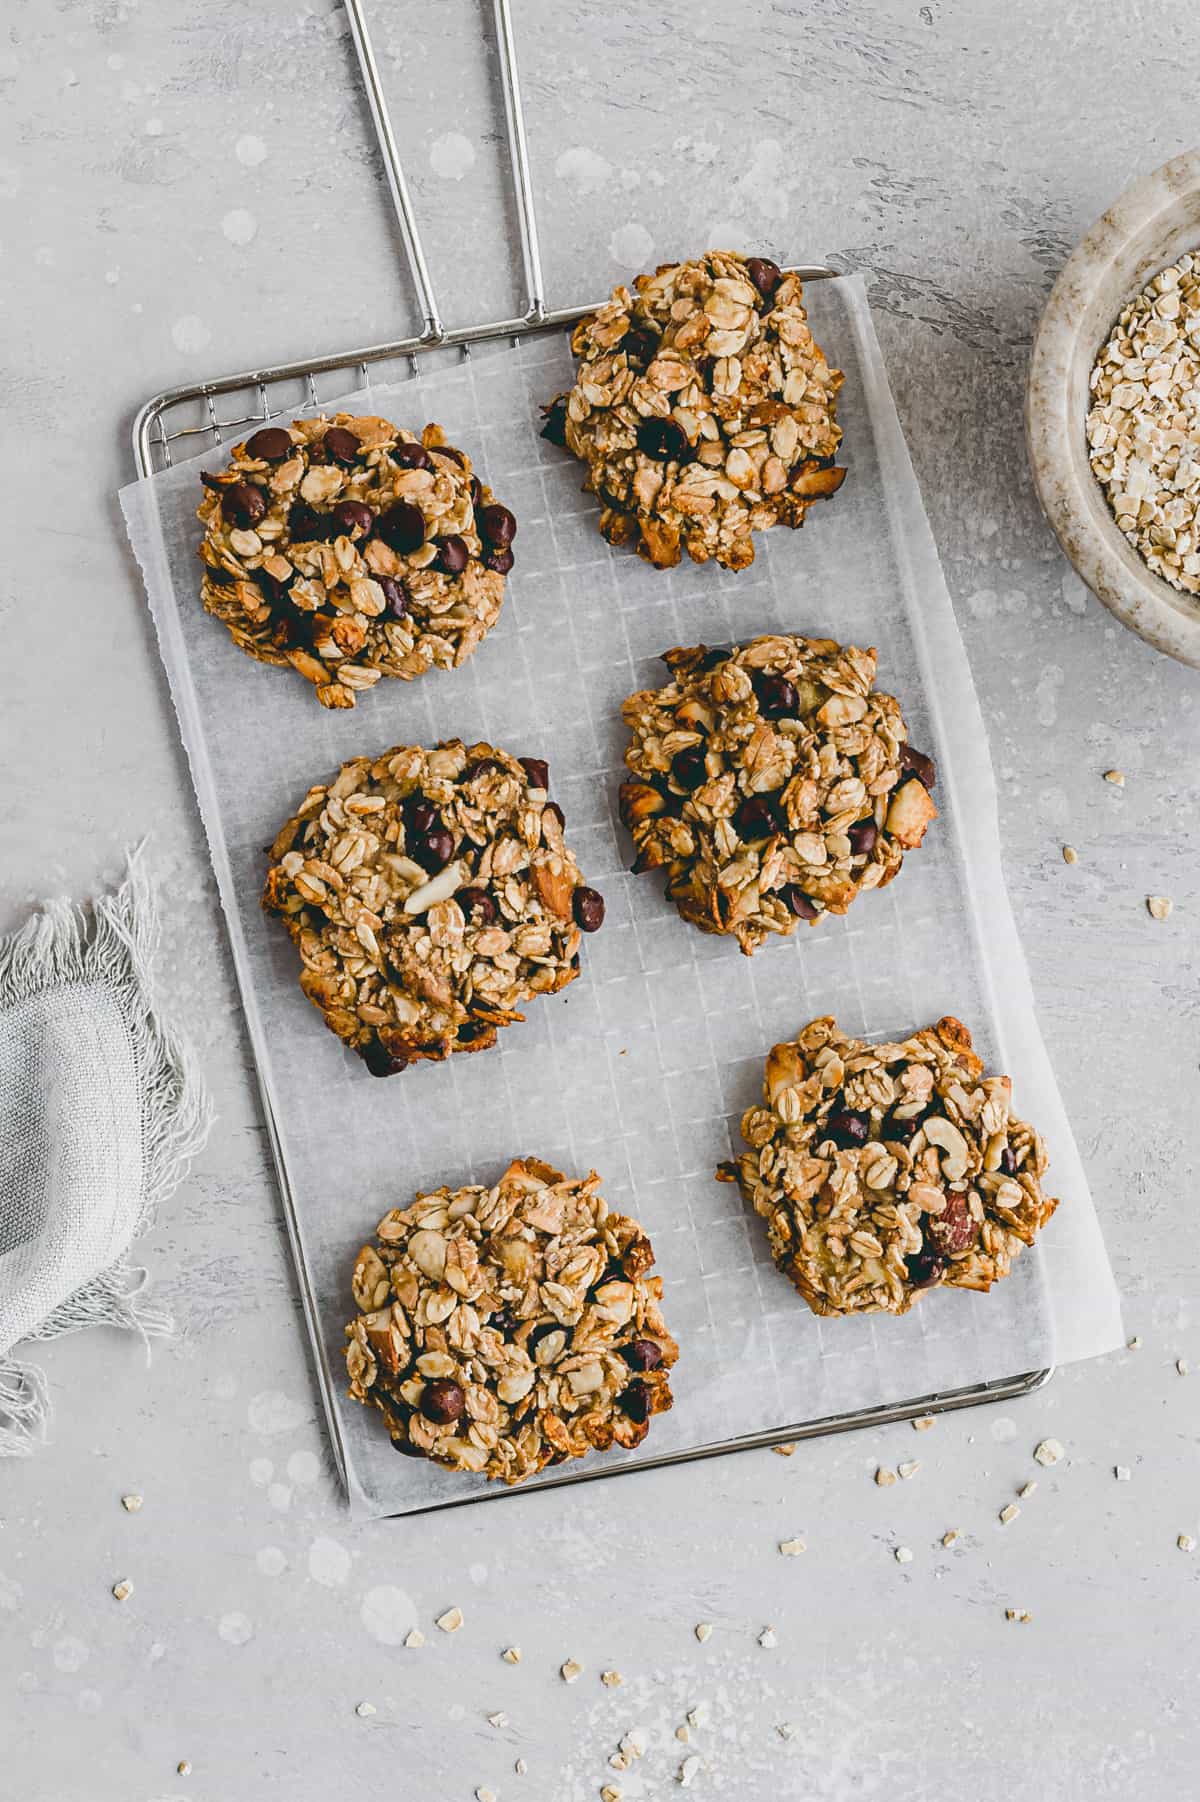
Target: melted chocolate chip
[[379, 1059], [765, 275], [777, 697], [915, 763], [477, 904], [433, 850], [925, 1267], [537, 771], [863, 837], [639, 346], [272, 445], [443, 1401], [635, 1401], [690, 769], [497, 525], [642, 1354], [243, 505], [396, 595], [799, 903], [500, 561], [402, 527], [555, 428], [354, 516], [588, 907], [341, 445], [452, 555], [756, 817], [412, 456], [663, 439], [846, 1128]]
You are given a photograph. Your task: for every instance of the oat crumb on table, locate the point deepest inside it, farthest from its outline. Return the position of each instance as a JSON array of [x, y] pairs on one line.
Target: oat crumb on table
[[951, 1536], [1122, 1473], [1159, 906], [132, 1504], [611, 1679], [1027, 1489], [768, 1638], [884, 1477], [1008, 1513], [414, 1637], [1116, 777], [792, 1548], [1070, 854], [1186, 1542], [922, 1423], [498, 1720], [570, 1670], [122, 1590], [451, 1621], [903, 1554], [703, 1631], [909, 1468], [511, 1655], [1049, 1451]]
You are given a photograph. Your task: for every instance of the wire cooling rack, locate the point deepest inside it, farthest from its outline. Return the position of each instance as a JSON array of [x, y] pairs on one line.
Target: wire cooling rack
[[188, 420]]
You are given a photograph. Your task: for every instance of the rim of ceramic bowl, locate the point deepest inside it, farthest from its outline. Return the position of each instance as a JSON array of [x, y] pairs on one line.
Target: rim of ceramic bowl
[[1145, 230]]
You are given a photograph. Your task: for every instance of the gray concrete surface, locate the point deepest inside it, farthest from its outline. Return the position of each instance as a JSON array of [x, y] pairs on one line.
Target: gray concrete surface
[[188, 186]]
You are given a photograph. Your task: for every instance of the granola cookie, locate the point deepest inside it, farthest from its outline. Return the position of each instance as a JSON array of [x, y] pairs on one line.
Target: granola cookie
[[501, 1330], [772, 782], [884, 1170], [353, 550], [703, 408], [429, 893]]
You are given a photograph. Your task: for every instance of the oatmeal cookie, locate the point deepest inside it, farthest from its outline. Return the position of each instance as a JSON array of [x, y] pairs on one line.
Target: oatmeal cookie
[[703, 409], [883, 1170], [429, 893], [772, 782], [501, 1330], [353, 550]]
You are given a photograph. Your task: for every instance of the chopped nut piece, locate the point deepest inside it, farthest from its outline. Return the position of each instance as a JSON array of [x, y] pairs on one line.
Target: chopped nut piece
[[451, 1621], [903, 1554], [498, 1720], [1070, 854], [792, 1548], [909, 1468], [923, 1422], [704, 1631], [520, 1767], [1018, 1614], [687, 1771], [184, 1768], [1027, 1489], [611, 1679], [1182, 1366], [364, 1708], [484, 1794], [414, 1637], [1122, 1473], [885, 1477], [1116, 777], [570, 1670], [132, 1504], [511, 1655], [767, 1638], [1009, 1512], [123, 1590], [786, 1450], [1186, 1543], [785, 1730], [1048, 1452], [682, 1733], [1160, 906], [950, 1536]]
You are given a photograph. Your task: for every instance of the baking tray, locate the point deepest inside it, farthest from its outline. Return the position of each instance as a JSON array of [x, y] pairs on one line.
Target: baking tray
[[582, 625]]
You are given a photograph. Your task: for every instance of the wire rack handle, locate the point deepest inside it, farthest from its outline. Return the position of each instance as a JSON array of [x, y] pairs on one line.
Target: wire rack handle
[[434, 329]]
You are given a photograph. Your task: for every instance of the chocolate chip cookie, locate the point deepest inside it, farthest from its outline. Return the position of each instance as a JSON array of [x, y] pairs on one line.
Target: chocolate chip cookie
[[429, 893], [703, 408], [501, 1330], [884, 1170], [353, 550], [773, 783]]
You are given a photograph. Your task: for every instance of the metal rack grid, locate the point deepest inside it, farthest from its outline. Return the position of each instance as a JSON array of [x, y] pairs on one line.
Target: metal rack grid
[[190, 417]]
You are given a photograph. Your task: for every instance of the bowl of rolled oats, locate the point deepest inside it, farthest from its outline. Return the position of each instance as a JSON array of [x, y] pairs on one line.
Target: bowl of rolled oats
[[1112, 410]]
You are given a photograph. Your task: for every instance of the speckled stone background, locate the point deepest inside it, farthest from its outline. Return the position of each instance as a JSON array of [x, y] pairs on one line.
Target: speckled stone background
[[186, 188]]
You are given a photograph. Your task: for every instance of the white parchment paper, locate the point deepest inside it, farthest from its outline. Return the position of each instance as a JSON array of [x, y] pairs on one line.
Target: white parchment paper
[[641, 1068]]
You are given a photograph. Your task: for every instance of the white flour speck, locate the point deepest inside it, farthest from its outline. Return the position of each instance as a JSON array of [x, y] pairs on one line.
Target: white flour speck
[[239, 226], [225, 1387], [112, 277], [478, 1573], [115, 61], [388, 1614], [631, 245], [70, 1654], [271, 1411], [304, 1467], [190, 334], [1046, 694], [250, 151], [1074, 592], [10, 1594], [10, 181], [1003, 1430], [235, 1628], [261, 1471], [280, 1496], [90, 1701], [153, 128], [983, 604], [452, 156], [585, 169], [270, 1561], [329, 1563]]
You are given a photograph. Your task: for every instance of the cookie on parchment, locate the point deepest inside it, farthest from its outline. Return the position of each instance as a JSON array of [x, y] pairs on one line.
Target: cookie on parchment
[[353, 550], [430, 893], [703, 408], [884, 1170], [501, 1330], [773, 782]]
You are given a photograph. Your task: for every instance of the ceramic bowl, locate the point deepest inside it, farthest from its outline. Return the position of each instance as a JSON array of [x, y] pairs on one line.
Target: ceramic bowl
[[1154, 222]]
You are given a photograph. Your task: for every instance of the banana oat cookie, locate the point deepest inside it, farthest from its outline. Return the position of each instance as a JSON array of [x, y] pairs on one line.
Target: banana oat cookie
[[772, 782], [501, 1330], [429, 893], [353, 550], [703, 409], [883, 1170]]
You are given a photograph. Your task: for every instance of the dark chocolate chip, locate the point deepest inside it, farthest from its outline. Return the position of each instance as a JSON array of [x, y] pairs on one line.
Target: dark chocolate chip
[[443, 1400], [354, 516], [537, 770], [223, 578], [448, 450], [476, 493], [663, 439], [452, 555], [765, 275], [272, 445], [433, 850], [862, 837], [915, 763], [795, 898], [412, 456], [589, 909], [555, 428], [341, 445], [396, 596], [307, 526], [925, 1267], [901, 1126], [497, 525], [756, 817], [635, 1401], [478, 904], [642, 1354], [273, 589], [379, 1060], [690, 769], [243, 505], [421, 816], [777, 697], [402, 527], [846, 1128], [500, 561], [1008, 1161], [639, 346]]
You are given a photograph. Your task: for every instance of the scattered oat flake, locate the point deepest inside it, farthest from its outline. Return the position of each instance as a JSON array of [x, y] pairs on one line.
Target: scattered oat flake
[[922, 1423], [451, 1621], [1070, 854], [123, 1590], [619, 1762], [498, 1720], [414, 1638], [1122, 1473], [610, 1793], [687, 1771], [1159, 906], [1027, 1489], [885, 1477], [364, 1708], [703, 1631], [132, 1503], [909, 1468], [1009, 1512], [570, 1670], [634, 1743], [792, 1548], [1186, 1543], [767, 1638], [903, 1555], [611, 1679], [683, 1733], [1182, 1366], [950, 1537], [1048, 1452], [785, 1730], [484, 1794], [184, 1768], [520, 1767], [1116, 777], [786, 1450], [511, 1655]]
